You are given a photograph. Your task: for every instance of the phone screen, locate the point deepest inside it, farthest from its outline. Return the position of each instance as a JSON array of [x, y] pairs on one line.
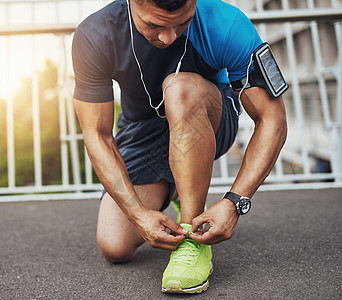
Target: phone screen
[[272, 70]]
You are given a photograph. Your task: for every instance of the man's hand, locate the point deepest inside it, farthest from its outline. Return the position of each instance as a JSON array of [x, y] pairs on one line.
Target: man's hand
[[222, 218], [152, 226]]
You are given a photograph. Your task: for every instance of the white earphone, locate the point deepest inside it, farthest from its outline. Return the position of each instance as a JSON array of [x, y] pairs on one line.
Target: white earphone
[[156, 108]]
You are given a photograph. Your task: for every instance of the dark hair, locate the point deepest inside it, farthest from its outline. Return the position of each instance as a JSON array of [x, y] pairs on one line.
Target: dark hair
[[169, 5]]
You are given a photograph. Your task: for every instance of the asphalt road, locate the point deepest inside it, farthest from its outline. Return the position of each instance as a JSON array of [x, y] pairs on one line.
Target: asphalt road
[[288, 247]]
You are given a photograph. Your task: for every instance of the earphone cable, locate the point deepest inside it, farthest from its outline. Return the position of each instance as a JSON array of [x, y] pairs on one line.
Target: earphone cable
[[156, 108], [243, 88], [135, 56]]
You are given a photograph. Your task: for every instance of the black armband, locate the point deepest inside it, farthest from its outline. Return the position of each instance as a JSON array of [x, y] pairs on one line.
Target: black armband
[[266, 74]]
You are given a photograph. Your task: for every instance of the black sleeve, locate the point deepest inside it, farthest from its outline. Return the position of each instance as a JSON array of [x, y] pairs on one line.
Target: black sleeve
[[93, 82]]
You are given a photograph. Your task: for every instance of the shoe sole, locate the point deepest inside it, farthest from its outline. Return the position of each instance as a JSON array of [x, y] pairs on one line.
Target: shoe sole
[[175, 288]]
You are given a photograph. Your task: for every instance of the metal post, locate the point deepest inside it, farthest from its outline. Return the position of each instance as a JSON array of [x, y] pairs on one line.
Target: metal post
[[338, 30], [262, 27], [296, 91], [62, 122], [64, 146], [9, 119], [323, 89], [88, 168], [71, 121], [36, 121], [35, 111], [224, 167]]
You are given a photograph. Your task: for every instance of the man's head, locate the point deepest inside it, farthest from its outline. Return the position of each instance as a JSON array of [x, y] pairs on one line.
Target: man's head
[[161, 22]]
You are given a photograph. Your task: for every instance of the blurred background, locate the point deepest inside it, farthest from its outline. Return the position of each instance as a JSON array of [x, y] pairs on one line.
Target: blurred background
[[42, 155]]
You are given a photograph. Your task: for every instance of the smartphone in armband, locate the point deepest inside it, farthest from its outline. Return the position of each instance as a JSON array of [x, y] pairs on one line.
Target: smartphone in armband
[[272, 78]]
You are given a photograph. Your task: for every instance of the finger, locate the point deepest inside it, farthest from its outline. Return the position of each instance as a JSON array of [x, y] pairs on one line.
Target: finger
[[172, 238], [207, 238], [200, 232], [173, 226], [198, 222], [167, 241]]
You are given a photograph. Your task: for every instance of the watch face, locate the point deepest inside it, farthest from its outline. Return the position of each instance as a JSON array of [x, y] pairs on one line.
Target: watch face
[[245, 206]]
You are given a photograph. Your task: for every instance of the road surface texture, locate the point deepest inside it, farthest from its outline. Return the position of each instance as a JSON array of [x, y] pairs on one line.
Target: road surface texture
[[288, 247]]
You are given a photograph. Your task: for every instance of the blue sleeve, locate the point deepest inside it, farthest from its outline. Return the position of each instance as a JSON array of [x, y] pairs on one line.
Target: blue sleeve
[[224, 37], [240, 42]]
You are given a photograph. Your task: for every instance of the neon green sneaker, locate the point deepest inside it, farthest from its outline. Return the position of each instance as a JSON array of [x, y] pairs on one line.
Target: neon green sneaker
[[189, 267]]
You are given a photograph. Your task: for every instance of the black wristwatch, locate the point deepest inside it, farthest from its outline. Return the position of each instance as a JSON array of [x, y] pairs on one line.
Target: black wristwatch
[[243, 204]]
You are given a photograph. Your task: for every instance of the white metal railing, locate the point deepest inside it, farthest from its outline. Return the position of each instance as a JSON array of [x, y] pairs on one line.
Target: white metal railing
[[333, 129], [72, 185]]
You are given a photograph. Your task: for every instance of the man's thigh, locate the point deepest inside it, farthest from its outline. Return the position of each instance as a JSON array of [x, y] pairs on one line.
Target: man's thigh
[[222, 106]]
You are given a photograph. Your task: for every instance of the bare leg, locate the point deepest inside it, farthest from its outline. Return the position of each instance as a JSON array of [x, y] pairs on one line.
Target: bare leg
[[117, 237], [193, 109]]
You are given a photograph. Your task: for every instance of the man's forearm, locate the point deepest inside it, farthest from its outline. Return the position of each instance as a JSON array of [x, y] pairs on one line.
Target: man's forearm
[[111, 171], [97, 121], [260, 156]]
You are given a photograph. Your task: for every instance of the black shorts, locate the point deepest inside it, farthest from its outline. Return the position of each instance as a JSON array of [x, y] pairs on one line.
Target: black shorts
[[144, 145]]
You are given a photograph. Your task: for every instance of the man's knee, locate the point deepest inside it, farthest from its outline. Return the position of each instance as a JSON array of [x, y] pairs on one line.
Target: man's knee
[[190, 95], [115, 252], [184, 83], [181, 93]]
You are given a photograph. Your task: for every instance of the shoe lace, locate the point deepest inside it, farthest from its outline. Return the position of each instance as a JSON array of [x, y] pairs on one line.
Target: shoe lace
[[186, 252]]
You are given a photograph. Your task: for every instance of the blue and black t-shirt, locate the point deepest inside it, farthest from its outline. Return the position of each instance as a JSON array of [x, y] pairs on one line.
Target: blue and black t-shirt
[[221, 40]]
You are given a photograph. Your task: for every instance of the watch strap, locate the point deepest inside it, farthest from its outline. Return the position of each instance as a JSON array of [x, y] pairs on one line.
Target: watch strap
[[243, 204], [235, 198]]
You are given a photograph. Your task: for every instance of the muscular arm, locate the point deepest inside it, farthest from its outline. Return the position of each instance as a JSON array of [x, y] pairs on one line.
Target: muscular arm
[[261, 154], [266, 142], [96, 120]]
